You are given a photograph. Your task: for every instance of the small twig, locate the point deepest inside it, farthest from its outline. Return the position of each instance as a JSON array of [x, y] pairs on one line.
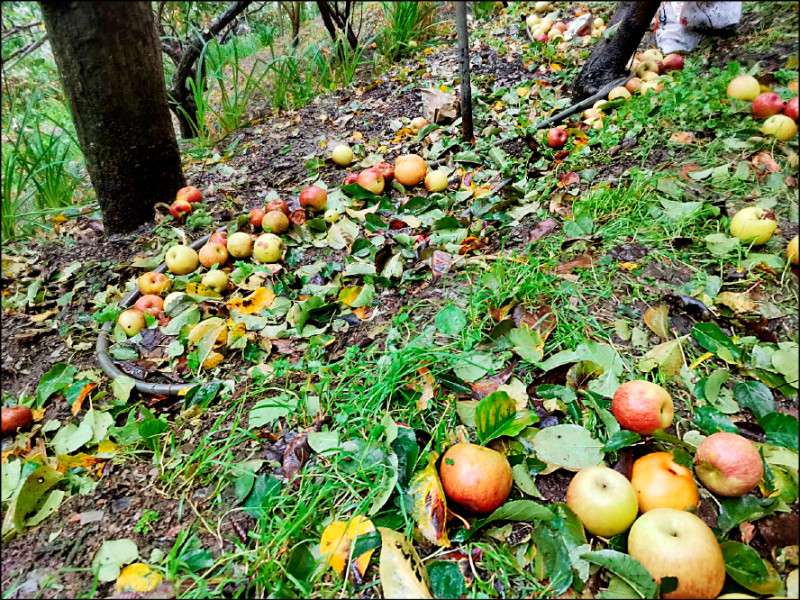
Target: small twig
[[25, 50]]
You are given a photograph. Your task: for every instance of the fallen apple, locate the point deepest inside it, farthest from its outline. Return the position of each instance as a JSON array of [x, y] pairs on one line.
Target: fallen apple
[[642, 406], [314, 198], [555, 34], [14, 418], [154, 283], [410, 169], [593, 113], [386, 170], [541, 7], [298, 217], [371, 180], [542, 37], [633, 84], [212, 254], [780, 127], [181, 260], [190, 194], [171, 300], [766, 105], [660, 482], [557, 137], [792, 251], [598, 22], [417, 123], [350, 178], [650, 76], [547, 23], [475, 477], [674, 62], [790, 110], [240, 245], [150, 304], [532, 20], [728, 464], [744, 87], [256, 216], [268, 248], [560, 26], [647, 66], [648, 86], [331, 216], [619, 92], [277, 204], [675, 543], [275, 222], [216, 280], [219, 237], [342, 155], [652, 54], [604, 500], [436, 181], [179, 208], [753, 225], [131, 321]]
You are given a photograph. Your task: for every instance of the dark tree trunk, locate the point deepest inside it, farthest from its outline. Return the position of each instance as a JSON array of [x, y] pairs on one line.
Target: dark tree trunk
[[293, 11], [463, 61], [610, 57], [338, 19], [109, 59]]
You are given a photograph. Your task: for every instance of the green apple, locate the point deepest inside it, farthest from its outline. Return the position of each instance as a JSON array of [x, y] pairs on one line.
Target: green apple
[[753, 224], [604, 501], [268, 248], [216, 280], [240, 245], [181, 260]]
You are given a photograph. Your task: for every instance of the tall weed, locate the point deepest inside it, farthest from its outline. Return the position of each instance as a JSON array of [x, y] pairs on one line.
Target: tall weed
[[405, 21]]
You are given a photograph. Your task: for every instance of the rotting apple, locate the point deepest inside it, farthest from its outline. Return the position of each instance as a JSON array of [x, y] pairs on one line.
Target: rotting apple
[[277, 204], [475, 477], [256, 216], [633, 84], [653, 54], [240, 245], [436, 181], [275, 222], [150, 304], [647, 66], [410, 169], [371, 180], [153, 282], [744, 87], [314, 198], [780, 127], [418, 123], [753, 225], [298, 217], [181, 259], [619, 92], [212, 254], [179, 208], [675, 543], [219, 237], [604, 500], [660, 482], [189, 193], [792, 251], [542, 37], [766, 105], [14, 418], [674, 62], [268, 248], [342, 155], [216, 280], [386, 170], [790, 110], [642, 406], [728, 464], [131, 321], [557, 137], [350, 178]]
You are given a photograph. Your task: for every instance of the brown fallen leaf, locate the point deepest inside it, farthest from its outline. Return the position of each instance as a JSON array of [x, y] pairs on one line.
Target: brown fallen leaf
[[430, 505], [657, 319], [543, 320], [298, 452], [579, 262], [737, 302], [686, 169], [764, 159], [440, 263], [542, 229], [561, 205], [483, 388]]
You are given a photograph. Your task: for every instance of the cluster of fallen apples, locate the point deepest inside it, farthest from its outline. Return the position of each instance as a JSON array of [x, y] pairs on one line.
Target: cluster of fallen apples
[[780, 118], [549, 28], [665, 538]]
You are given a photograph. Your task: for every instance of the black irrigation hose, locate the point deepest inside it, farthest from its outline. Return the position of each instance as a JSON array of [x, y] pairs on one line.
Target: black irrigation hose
[[107, 363], [557, 118]]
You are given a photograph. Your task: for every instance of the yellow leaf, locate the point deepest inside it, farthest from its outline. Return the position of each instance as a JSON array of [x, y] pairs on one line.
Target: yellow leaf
[[236, 331], [138, 577], [38, 414], [430, 505], [213, 360], [349, 295], [481, 191], [403, 575], [357, 135], [260, 299], [201, 290], [45, 315], [628, 266], [68, 461], [701, 359], [657, 319], [336, 539], [200, 330], [556, 66], [739, 303], [523, 92], [106, 447], [428, 51], [498, 106]]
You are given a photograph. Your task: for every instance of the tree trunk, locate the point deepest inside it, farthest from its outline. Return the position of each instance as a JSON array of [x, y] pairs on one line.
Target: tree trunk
[[109, 59], [463, 61], [610, 57], [334, 19], [293, 11]]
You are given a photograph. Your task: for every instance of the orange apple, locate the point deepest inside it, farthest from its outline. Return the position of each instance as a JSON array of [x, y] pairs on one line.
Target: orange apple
[[660, 482], [212, 254], [642, 407], [277, 204], [150, 304], [410, 169], [154, 283], [190, 194], [275, 221], [475, 477], [256, 216]]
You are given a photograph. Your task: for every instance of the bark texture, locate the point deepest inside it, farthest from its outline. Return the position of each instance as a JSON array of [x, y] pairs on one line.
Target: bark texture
[[338, 17], [610, 57], [462, 29], [109, 59]]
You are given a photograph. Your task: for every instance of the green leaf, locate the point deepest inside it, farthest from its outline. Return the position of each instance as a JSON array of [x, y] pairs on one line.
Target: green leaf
[[781, 429], [111, 556], [496, 415], [556, 560], [755, 396], [524, 481], [621, 439], [122, 386], [359, 193], [36, 484], [711, 337], [265, 488], [746, 568], [626, 567], [202, 395], [447, 581], [266, 411], [322, 441], [528, 343], [451, 320], [187, 317], [570, 446], [150, 428], [473, 366], [734, 511], [720, 244], [55, 380], [560, 392], [785, 361], [710, 420]]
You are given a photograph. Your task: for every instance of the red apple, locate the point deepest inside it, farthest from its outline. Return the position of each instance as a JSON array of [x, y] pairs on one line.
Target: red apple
[[386, 170], [766, 105], [660, 482], [542, 37], [314, 198], [728, 464], [298, 217], [180, 208], [642, 407], [150, 304], [277, 204], [154, 283], [212, 254], [475, 477], [790, 110], [557, 137], [674, 62], [371, 180], [14, 418], [350, 178], [219, 237], [189, 193], [256, 216]]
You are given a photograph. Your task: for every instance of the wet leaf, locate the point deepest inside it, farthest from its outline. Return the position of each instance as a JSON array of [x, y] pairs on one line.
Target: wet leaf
[[299, 451], [568, 446], [496, 415], [429, 509], [734, 511], [781, 429], [55, 380], [755, 396], [746, 568], [657, 319], [356, 296], [337, 539], [446, 578], [555, 557], [402, 573]]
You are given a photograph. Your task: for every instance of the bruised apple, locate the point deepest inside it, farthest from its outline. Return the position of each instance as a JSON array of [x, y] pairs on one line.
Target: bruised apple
[[314, 198], [150, 304], [410, 169], [475, 477], [744, 87], [212, 254], [674, 62], [350, 178], [131, 321], [298, 217], [275, 222], [371, 180], [766, 105], [179, 208], [728, 464], [386, 170], [154, 283], [216, 280], [753, 225], [619, 92], [240, 245], [418, 123], [268, 248], [219, 237], [181, 260], [277, 204], [190, 194], [642, 406], [633, 84], [660, 482]]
